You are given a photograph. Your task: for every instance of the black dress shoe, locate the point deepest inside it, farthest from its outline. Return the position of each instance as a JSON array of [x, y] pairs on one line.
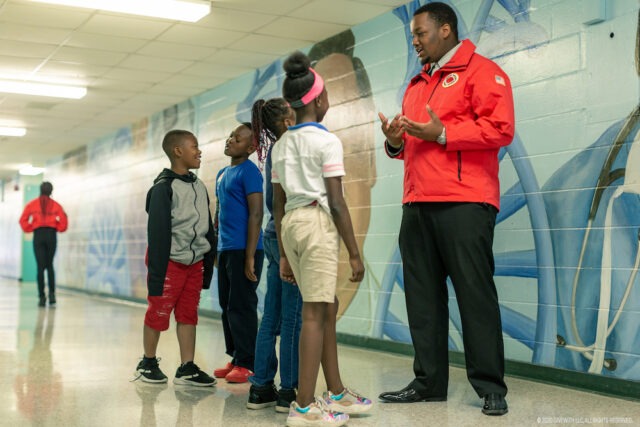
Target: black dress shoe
[[494, 404], [408, 395]]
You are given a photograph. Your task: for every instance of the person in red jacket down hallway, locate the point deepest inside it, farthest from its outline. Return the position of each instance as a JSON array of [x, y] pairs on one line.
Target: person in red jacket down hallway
[[456, 115], [45, 218]]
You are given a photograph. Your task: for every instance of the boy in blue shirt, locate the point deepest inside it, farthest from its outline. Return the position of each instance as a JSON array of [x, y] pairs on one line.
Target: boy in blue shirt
[[240, 253]]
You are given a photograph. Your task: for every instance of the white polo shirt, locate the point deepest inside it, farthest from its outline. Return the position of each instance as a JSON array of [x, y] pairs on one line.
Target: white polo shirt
[[305, 155]]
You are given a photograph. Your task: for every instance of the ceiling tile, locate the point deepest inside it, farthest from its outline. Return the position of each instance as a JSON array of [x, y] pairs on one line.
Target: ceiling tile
[[88, 56], [51, 124], [86, 133], [25, 49], [78, 112], [338, 11], [151, 63], [105, 42], [118, 85], [394, 3], [29, 33], [116, 118], [71, 70], [14, 67], [39, 15], [199, 84], [241, 58], [267, 44], [150, 102], [121, 26], [176, 50], [301, 29], [198, 36], [276, 7], [165, 88], [136, 75], [234, 20], [210, 69]]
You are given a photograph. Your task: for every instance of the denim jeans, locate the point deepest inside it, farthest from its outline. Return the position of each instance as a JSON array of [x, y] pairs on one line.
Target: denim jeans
[[282, 315]]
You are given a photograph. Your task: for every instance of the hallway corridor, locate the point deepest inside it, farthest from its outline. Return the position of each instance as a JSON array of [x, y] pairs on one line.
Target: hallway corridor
[[72, 366]]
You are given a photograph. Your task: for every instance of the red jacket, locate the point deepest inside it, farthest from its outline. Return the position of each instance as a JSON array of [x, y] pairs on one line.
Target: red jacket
[[53, 216], [472, 97]]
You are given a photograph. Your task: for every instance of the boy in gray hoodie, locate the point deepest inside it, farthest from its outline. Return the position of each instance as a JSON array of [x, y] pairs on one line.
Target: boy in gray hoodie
[[180, 256]]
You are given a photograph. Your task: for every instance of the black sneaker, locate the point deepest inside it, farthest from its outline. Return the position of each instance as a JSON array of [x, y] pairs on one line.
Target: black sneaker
[[149, 372], [42, 302], [52, 301], [190, 374], [262, 396], [285, 397]]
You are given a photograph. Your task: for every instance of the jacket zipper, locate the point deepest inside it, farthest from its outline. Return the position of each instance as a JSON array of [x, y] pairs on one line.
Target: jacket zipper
[[459, 153], [195, 233]]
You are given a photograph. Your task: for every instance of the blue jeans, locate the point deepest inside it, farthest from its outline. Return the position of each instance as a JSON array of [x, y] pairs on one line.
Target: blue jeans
[[282, 315]]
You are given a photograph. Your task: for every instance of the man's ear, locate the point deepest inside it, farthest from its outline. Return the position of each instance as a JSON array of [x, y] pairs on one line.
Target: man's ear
[[251, 149], [177, 151], [445, 30]]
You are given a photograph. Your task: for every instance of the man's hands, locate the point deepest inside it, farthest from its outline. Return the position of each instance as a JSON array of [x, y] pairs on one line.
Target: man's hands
[[392, 131], [426, 131]]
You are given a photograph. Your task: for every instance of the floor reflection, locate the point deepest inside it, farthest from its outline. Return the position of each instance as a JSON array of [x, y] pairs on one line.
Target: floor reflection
[[38, 391]]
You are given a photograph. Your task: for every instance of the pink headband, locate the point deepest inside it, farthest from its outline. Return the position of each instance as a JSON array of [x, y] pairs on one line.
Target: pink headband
[[316, 89]]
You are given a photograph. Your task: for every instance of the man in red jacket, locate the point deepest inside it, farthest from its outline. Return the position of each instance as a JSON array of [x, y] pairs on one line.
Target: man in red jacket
[[45, 218], [456, 114]]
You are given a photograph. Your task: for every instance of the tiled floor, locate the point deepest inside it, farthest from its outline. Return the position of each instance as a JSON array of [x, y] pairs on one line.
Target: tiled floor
[[71, 366]]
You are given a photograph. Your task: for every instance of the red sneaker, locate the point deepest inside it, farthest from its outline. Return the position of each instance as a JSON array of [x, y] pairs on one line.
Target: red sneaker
[[238, 375], [223, 372]]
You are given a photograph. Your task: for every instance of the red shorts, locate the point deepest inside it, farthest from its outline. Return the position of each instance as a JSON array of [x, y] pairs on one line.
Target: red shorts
[[182, 286]]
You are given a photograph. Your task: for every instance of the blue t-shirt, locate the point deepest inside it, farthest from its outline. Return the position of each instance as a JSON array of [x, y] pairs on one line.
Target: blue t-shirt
[[233, 185]]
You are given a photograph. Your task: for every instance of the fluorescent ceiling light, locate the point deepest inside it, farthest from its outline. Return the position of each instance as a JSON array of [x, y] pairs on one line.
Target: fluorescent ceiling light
[[177, 10], [10, 131], [42, 89], [30, 170]]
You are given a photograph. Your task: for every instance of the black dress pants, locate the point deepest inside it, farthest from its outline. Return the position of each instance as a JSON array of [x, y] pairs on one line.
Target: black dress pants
[[44, 246], [452, 239], [239, 303]]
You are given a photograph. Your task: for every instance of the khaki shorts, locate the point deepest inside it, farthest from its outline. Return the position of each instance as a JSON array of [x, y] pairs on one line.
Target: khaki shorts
[[311, 242]]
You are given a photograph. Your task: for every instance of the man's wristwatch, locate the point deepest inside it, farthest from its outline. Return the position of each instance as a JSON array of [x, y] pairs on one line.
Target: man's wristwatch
[[442, 138]]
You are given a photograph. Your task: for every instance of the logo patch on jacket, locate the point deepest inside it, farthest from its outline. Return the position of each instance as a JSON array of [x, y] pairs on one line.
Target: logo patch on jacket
[[450, 80], [500, 80]]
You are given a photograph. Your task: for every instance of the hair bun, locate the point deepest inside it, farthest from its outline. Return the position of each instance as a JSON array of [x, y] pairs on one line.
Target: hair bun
[[297, 65]]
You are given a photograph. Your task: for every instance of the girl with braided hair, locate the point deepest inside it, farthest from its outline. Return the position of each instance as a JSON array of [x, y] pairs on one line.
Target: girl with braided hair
[[283, 302], [311, 217]]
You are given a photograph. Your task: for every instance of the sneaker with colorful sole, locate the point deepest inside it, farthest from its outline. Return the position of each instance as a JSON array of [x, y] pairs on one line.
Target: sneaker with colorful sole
[[349, 402]]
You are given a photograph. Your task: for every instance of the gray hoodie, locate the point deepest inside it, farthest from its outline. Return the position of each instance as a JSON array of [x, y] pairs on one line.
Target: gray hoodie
[[179, 227]]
